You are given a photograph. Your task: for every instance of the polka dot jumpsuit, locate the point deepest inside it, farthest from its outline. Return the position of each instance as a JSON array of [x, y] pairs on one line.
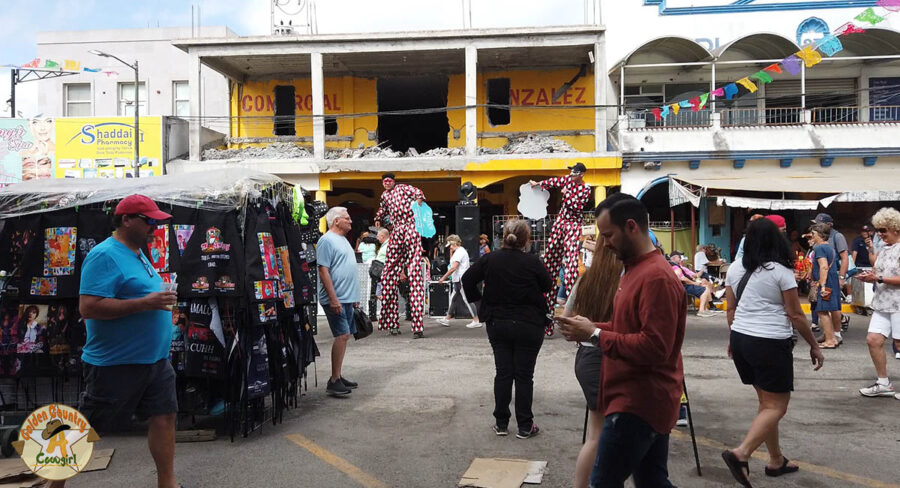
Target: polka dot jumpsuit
[[563, 245], [404, 253]]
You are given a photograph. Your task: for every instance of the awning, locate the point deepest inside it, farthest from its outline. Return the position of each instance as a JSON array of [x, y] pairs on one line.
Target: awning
[[865, 184]]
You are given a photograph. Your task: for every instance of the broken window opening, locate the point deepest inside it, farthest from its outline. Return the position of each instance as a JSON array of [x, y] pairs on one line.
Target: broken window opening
[[285, 111], [498, 94], [422, 131], [331, 126]]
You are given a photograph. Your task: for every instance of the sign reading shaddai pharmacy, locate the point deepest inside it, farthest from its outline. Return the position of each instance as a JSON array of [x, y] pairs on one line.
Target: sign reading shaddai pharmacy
[[104, 147]]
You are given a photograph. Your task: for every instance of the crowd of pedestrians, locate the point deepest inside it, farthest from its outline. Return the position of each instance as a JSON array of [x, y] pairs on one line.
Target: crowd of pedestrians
[[627, 314]]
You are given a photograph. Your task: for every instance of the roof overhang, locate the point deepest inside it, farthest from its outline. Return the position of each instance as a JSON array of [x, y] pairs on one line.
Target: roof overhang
[[824, 186], [431, 52]]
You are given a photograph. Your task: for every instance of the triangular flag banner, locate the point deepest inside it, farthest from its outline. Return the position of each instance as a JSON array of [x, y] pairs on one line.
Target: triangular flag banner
[[110, 74], [762, 77], [746, 83], [892, 5], [675, 108], [869, 16], [703, 99], [810, 56], [792, 64], [718, 92], [71, 65], [830, 45], [685, 104], [695, 104], [49, 63], [730, 91], [850, 28], [92, 70], [665, 111], [656, 113], [35, 63], [773, 68]]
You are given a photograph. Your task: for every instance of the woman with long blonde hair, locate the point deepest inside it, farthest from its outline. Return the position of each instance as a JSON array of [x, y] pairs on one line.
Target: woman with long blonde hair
[[592, 297]]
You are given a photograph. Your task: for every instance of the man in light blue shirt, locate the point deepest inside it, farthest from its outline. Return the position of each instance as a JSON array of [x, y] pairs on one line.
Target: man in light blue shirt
[[129, 332], [338, 292]]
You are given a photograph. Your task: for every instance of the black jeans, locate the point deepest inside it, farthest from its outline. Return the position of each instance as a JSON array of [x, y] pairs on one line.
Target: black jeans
[[628, 446], [516, 346]]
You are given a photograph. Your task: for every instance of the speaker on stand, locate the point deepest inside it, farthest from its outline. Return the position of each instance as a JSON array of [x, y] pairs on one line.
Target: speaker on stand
[[468, 218]]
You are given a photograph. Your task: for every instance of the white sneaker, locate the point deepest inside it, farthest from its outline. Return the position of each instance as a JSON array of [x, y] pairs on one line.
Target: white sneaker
[[877, 390], [474, 325], [444, 322], [897, 356], [897, 396], [681, 422]]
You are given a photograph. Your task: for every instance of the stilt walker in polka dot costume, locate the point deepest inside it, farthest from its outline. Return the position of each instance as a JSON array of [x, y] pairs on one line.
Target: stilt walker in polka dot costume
[[563, 245], [404, 253]]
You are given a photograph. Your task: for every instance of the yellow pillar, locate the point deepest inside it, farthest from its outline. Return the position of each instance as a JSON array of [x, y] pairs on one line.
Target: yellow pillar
[[599, 194], [323, 225]]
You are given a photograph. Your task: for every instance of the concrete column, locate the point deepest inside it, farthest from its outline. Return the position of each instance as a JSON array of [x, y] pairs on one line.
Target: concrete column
[[600, 125], [320, 195], [599, 194], [471, 101], [863, 99], [195, 143], [318, 108]]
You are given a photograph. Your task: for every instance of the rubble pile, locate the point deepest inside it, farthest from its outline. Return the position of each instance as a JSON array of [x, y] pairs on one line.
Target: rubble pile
[[275, 150], [445, 152], [375, 152], [530, 144]]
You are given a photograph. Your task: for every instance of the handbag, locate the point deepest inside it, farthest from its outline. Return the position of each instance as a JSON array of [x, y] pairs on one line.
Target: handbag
[[363, 324], [375, 270], [826, 293], [813, 295]]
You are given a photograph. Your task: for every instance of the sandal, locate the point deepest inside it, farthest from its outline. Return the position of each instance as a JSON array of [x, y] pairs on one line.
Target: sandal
[[739, 469], [784, 469], [822, 345]]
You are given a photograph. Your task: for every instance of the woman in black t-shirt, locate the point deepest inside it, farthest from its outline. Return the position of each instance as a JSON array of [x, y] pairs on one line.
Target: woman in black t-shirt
[[515, 311]]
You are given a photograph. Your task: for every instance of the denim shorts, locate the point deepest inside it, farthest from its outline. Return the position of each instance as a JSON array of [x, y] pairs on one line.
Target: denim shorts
[[341, 324], [113, 394]]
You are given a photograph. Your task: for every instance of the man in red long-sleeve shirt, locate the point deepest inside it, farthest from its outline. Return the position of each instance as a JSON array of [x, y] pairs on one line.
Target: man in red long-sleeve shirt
[[642, 372]]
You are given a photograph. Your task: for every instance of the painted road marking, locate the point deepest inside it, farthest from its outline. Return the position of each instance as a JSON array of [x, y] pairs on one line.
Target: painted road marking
[[813, 468], [344, 466]]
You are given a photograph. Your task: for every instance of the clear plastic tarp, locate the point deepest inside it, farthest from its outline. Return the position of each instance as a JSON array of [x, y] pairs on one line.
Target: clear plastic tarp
[[219, 190]]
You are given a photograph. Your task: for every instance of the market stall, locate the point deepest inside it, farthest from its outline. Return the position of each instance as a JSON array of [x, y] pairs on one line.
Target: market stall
[[238, 250]]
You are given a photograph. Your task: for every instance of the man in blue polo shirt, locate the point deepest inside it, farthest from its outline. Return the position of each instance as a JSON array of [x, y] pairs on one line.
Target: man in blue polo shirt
[[129, 332]]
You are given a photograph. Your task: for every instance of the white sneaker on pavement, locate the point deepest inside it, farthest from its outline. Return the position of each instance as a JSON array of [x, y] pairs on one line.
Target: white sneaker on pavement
[[474, 325], [877, 390], [897, 355], [444, 322]]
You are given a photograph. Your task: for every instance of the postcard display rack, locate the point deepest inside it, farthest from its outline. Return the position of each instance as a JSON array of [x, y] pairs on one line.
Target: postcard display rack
[[240, 252]]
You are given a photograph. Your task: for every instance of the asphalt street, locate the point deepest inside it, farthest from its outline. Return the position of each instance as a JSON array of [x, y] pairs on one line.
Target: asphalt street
[[423, 412]]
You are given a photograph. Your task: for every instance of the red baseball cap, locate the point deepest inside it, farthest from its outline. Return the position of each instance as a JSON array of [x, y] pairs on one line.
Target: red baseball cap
[[139, 204], [778, 220]]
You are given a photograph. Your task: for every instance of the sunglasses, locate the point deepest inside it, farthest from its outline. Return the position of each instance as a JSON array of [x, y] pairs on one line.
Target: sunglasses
[[147, 220], [881, 230]]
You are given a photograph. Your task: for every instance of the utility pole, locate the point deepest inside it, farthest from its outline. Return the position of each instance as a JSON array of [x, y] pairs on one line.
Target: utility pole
[[13, 73], [137, 97]]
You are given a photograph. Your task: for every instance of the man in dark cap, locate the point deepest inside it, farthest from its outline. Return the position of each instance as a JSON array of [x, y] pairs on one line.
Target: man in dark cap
[[839, 243], [562, 246], [129, 332], [403, 254]]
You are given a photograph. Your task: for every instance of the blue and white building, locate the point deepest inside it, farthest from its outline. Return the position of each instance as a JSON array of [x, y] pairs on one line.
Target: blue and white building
[[827, 139]]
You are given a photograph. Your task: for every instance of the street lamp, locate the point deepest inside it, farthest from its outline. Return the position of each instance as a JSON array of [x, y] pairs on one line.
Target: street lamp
[[137, 128]]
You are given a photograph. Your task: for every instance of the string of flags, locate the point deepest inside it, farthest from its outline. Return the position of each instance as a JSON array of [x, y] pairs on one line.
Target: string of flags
[[66, 65], [809, 56]]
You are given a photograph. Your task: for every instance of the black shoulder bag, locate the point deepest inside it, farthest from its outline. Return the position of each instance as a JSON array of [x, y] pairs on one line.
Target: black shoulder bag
[[362, 322]]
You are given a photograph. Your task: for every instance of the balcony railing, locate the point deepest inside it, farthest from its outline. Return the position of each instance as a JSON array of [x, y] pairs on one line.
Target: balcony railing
[[684, 118], [774, 116], [735, 117], [834, 115]]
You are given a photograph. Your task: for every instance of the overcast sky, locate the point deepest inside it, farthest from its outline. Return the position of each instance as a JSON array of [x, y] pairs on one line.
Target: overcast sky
[[21, 20]]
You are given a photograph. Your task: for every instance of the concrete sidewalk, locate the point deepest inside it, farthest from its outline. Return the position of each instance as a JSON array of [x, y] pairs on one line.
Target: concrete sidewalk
[[423, 412]]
